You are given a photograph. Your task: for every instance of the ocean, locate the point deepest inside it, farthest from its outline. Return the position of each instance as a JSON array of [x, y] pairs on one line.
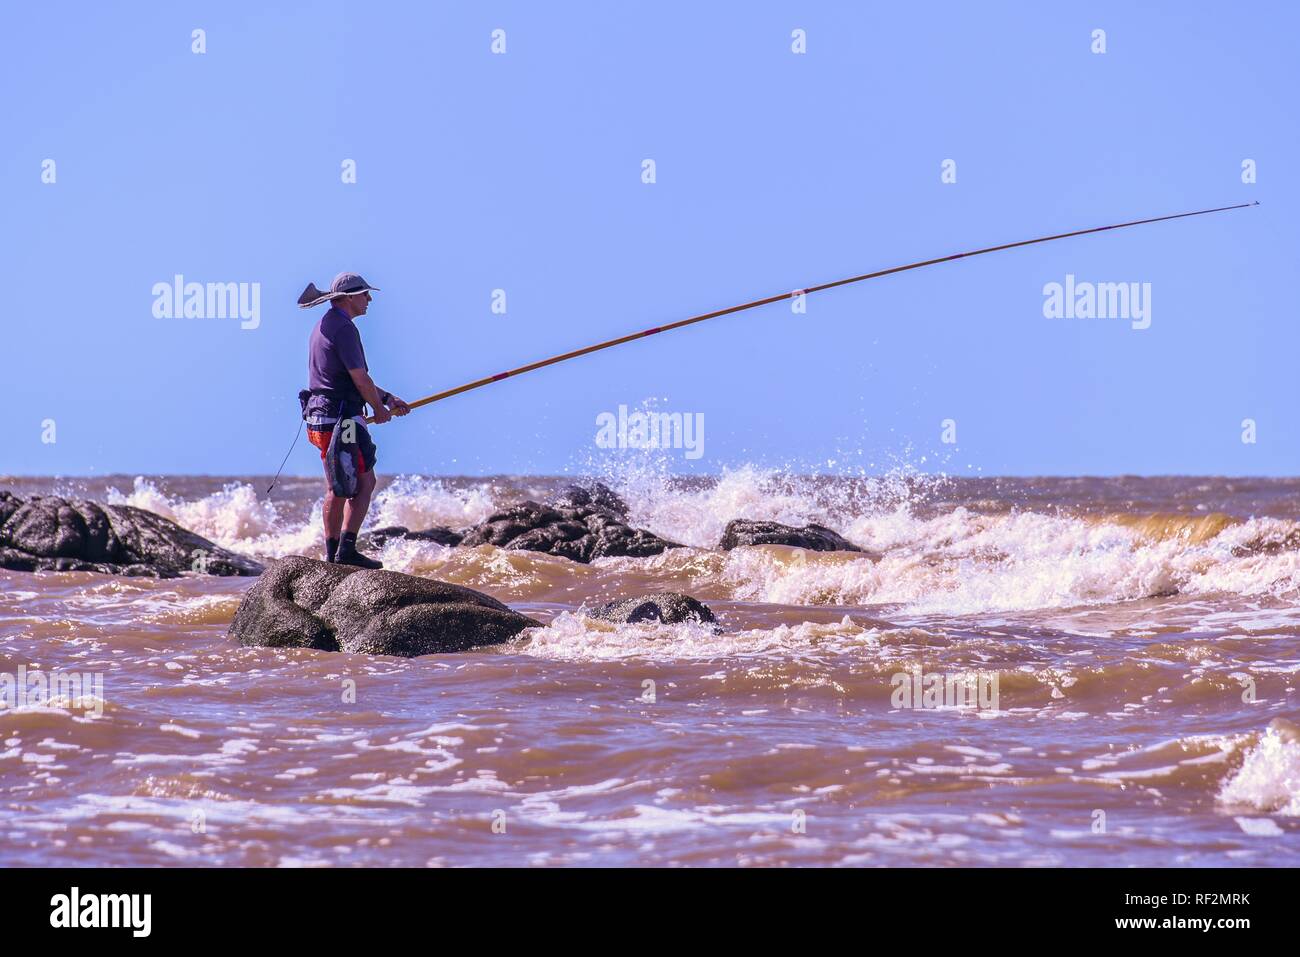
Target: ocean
[[1130, 646]]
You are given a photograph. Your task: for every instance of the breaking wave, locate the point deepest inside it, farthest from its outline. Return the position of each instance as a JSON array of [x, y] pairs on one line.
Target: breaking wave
[[947, 560]]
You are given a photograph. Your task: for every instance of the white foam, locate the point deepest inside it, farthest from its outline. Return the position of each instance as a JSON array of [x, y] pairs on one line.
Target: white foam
[[418, 502], [956, 563], [964, 563], [573, 636], [1269, 778], [1259, 826], [228, 517]]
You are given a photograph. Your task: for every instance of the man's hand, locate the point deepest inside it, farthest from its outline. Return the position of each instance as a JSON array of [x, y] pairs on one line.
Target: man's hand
[[381, 415], [397, 406]]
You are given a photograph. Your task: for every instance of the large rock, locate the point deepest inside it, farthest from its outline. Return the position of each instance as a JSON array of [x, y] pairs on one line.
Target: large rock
[[46, 533], [667, 607], [582, 533], [305, 603], [817, 538]]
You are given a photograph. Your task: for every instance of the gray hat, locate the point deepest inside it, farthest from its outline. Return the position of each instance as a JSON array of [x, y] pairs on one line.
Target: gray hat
[[344, 284]]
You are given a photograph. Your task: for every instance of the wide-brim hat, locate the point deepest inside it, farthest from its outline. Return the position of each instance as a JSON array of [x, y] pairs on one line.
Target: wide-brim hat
[[344, 284]]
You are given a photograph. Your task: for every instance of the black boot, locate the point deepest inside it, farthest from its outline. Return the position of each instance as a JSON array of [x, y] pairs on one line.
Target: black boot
[[331, 548], [348, 554]]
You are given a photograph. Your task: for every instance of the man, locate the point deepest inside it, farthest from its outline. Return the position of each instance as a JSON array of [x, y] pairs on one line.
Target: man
[[340, 387]]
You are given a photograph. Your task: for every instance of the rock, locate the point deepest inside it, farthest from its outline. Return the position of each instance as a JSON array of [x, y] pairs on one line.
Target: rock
[[588, 520], [668, 608], [592, 494], [47, 533], [305, 603], [1269, 545], [817, 538], [279, 611], [378, 537], [581, 533]]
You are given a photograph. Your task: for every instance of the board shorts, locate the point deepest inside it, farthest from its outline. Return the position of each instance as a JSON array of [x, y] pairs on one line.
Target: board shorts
[[321, 439], [344, 462]]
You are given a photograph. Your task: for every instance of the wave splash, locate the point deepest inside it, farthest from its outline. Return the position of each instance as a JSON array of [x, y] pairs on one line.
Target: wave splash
[[944, 559], [1269, 777]]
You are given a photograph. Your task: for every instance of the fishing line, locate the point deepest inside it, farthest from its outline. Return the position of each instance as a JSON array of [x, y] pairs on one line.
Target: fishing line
[[292, 445]]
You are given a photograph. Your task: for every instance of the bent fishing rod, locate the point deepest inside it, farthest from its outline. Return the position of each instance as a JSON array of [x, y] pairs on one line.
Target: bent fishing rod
[[681, 323]]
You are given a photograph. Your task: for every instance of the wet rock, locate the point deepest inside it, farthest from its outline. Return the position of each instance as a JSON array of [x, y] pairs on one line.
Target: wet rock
[[47, 533], [280, 610], [305, 603], [592, 494], [668, 608], [1269, 545], [817, 538], [582, 533], [588, 520], [378, 537]]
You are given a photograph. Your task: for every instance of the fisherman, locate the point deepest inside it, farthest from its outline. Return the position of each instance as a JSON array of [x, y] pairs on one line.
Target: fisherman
[[339, 388]]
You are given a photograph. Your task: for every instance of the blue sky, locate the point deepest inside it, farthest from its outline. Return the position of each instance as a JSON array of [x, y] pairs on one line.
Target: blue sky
[[522, 171]]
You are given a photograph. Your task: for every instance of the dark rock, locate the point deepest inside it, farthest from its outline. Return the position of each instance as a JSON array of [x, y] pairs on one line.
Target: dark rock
[[587, 521], [592, 494], [279, 611], [581, 533], [46, 533], [305, 603], [1269, 545], [817, 538], [8, 505], [378, 537], [668, 608]]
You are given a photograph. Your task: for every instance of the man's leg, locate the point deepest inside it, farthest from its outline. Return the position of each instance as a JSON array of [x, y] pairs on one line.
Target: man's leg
[[354, 514], [332, 509], [332, 512]]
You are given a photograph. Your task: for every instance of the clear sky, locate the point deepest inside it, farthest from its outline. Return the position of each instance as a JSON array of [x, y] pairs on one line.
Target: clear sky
[[523, 171]]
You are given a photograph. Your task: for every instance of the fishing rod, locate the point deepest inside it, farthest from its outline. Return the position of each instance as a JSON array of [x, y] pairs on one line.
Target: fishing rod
[[609, 344]]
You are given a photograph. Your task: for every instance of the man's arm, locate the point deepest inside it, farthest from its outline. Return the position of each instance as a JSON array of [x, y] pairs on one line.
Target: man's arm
[[370, 392]]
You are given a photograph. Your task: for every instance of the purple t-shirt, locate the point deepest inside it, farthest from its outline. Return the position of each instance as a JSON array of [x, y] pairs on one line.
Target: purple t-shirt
[[335, 347]]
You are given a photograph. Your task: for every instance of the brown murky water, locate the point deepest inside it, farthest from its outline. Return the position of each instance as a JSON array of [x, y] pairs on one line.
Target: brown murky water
[[1142, 638]]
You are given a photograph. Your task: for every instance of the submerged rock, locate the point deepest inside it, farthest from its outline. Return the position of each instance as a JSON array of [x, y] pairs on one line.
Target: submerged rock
[[817, 538], [305, 603], [377, 538], [1269, 545], [581, 533], [668, 608], [47, 533]]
